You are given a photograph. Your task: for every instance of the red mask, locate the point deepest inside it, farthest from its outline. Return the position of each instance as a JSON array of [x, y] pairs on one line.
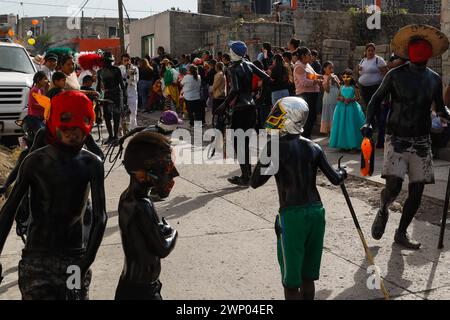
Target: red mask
[[71, 109], [420, 51]]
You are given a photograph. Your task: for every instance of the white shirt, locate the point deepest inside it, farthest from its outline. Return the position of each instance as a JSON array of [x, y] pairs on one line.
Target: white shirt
[[132, 77], [49, 73], [191, 87], [371, 75]]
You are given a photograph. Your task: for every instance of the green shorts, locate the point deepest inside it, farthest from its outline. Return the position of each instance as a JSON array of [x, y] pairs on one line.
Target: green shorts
[[300, 233]]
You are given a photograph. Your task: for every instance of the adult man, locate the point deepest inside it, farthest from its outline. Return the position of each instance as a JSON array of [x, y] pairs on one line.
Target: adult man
[[130, 76], [110, 78], [59, 178], [49, 67], [413, 88], [243, 108]]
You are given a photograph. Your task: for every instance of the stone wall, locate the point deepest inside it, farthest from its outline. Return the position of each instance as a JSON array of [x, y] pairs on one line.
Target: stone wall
[[252, 33], [338, 52], [445, 27], [315, 26], [188, 31]]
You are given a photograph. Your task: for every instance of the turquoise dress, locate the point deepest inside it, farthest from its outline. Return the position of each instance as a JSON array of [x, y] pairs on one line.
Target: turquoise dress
[[347, 122]]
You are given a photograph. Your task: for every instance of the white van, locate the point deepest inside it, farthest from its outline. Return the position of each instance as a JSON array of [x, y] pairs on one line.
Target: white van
[[16, 79]]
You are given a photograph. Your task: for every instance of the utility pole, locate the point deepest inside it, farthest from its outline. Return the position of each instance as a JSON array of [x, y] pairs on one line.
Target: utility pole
[[121, 31], [82, 25]]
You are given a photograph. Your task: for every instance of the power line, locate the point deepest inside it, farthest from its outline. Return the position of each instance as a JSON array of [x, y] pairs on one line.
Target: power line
[[65, 6]]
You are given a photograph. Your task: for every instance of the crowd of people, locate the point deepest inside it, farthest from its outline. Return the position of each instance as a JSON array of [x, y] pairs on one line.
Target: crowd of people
[[193, 83]]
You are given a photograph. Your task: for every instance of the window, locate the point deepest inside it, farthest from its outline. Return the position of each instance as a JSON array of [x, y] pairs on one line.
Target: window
[[148, 45], [112, 32], [15, 60], [36, 31]]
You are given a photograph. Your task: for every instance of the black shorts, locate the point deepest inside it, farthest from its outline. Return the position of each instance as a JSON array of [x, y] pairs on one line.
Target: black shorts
[[44, 277]]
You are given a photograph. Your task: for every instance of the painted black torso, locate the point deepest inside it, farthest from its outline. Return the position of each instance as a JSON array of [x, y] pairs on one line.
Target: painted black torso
[[413, 90], [299, 160]]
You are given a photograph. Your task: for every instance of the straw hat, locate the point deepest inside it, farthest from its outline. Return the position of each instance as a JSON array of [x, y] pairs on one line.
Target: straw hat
[[405, 35], [166, 61]]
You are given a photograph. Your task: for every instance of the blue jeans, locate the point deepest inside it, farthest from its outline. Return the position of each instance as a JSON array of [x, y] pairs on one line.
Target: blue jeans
[[277, 95], [144, 87]]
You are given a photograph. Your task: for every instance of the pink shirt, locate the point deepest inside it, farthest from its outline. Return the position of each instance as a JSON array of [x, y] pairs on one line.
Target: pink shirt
[[302, 83], [34, 109]]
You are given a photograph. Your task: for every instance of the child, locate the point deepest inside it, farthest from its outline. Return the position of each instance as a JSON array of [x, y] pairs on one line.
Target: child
[[348, 117], [88, 85], [331, 86], [300, 225], [59, 83], [145, 240], [155, 100], [40, 82]]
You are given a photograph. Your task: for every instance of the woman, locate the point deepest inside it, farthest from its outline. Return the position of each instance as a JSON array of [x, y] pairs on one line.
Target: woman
[[145, 81], [219, 88], [191, 84], [68, 68], [307, 86], [371, 72], [279, 75]]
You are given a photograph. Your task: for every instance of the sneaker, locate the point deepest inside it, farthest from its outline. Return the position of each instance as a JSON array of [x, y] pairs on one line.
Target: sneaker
[[239, 181], [404, 240], [379, 224]]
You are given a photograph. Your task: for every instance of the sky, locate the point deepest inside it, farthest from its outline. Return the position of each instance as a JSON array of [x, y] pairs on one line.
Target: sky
[[135, 8]]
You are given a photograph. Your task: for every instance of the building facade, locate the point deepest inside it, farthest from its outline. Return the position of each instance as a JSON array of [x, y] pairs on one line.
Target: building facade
[[243, 7], [178, 32]]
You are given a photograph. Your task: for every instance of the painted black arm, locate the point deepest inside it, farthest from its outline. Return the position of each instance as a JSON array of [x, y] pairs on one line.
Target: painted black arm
[[258, 179], [8, 212], [148, 224], [335, 177], [99, 217]]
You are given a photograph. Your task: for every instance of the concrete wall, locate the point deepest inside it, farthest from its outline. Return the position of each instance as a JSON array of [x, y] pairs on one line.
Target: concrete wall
[[252, 33], [188, 31], [178, 32], [57, 27], [158, 25]]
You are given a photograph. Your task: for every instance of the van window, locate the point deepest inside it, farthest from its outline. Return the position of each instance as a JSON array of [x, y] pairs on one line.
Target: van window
[[15, 59]]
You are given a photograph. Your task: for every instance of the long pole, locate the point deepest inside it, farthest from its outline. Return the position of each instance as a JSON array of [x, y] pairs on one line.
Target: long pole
[[444, 214], [361, 235], [82, 25], [121, 31]]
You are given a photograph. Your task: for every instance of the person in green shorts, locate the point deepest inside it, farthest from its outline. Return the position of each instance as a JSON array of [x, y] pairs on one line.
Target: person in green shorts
[[300, 224]]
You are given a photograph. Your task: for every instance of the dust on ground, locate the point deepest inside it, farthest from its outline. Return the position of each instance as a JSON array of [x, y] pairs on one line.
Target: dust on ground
[[369, 191], [7, 160]]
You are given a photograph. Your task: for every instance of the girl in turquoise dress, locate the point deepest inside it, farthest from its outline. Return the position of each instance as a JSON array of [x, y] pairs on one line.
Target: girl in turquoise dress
[[348, 117]]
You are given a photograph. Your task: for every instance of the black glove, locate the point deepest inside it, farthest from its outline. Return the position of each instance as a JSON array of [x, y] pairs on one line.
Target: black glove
[[343, 174], [165, 228], [3, 190], [367, 131]]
